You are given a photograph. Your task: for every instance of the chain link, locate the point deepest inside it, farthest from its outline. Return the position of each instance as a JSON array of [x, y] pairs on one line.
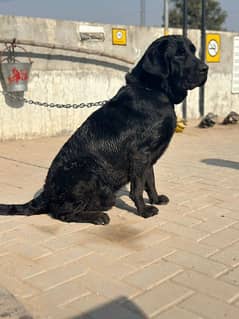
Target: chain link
[[52, 105]]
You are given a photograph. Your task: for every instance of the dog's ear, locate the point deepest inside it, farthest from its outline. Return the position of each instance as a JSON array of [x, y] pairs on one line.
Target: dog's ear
[[156, 59]]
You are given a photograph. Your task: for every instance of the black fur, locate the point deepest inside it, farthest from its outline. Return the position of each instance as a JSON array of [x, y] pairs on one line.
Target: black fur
[[120, 142]]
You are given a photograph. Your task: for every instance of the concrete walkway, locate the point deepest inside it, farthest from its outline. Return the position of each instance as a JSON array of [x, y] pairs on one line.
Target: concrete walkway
[[181, 264]]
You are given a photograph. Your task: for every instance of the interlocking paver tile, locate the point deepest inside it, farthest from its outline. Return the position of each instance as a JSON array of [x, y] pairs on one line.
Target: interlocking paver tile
[[182, 263], [236, 304], [108, 287], [108, 266], [232, 276], [209, 307], [111, 248], [67, 240], [206, 285], [149, 255], [43, 308], [228, 256], [28, 250], [236, 226], [200, 203], [222, 239], [231, 204], [161, 297], [187, 221], [7, 226], [19, 288], [32, 233], [56, 277], [186, 232], [153, 274], [97, 307], [215, 224], [68, 292], [190, 246], [112, 309], [177, 313], [18, 266], [212, 212], [134, 237], [64, 256], [195, 262]]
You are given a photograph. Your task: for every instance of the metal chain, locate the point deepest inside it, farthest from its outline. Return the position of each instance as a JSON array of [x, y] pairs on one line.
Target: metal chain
[[52, 105]]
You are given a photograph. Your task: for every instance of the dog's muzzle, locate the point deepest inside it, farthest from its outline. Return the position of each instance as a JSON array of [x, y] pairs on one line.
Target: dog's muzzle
[[198, 80]]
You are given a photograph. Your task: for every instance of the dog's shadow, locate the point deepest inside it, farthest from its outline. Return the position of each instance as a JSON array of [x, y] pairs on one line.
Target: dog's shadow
[[121, 204]]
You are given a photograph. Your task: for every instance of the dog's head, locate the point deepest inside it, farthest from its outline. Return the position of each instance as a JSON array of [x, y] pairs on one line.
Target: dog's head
[[170, 64]]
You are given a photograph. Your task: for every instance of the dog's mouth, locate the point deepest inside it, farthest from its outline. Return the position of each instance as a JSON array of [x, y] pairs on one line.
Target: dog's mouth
[[191, 84]]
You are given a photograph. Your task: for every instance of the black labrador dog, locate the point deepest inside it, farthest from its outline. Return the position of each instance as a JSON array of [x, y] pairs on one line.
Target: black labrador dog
[[120, 142]]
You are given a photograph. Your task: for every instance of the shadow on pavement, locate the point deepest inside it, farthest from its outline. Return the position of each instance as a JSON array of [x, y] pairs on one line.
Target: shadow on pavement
[[120, 308], [221, 162], [10, 307], [122, 205]]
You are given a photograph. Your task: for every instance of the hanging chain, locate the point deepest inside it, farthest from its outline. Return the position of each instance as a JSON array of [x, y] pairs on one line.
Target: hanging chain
[[18, 98]]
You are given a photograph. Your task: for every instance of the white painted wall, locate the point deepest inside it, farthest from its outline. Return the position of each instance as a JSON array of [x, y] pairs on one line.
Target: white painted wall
[[69, 77]]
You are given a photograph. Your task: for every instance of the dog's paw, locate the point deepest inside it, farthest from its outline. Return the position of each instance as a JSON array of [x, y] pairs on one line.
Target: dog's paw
[[149, 211], [67, 218], [101, 219], [162, 200]]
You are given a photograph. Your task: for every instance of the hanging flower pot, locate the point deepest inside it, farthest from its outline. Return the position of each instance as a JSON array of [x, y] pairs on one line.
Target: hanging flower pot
[[15, 74]]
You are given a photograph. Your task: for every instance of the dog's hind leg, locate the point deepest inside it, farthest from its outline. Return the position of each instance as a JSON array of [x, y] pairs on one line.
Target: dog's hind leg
[[73, 212], [85, 210], [94, 217], [81, 192], [150, 188]]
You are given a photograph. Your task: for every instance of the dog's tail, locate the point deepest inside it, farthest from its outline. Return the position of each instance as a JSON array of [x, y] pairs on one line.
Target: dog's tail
[[36, 206]]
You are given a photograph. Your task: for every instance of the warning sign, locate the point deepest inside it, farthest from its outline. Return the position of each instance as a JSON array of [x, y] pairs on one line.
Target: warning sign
[[119, 36], [213, 47]]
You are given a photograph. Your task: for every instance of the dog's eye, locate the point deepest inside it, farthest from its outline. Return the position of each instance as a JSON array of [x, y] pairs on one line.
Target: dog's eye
[[181, 51]]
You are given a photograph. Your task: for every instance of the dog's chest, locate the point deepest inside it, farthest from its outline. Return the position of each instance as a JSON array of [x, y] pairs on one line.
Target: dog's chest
[[159, 134], [162, 124]]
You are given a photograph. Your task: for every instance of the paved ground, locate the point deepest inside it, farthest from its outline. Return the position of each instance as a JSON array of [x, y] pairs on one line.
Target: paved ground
[[181, 264]]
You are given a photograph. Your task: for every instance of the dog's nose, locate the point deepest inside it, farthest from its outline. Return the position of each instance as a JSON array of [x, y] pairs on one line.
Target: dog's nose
[[203, 68]]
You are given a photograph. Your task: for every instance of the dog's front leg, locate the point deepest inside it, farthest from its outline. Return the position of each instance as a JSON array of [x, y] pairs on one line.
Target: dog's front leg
[[137, 184], [150, 188]]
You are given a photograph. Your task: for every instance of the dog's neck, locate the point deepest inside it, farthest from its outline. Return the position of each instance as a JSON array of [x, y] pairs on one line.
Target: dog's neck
[[154, 85], [132, 81]]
